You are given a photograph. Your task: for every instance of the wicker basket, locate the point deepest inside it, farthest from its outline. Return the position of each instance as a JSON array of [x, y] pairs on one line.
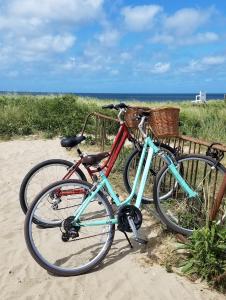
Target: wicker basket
[[132, 114], [164, 122]]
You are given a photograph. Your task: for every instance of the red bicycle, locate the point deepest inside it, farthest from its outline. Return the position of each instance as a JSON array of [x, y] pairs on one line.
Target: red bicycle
[[53, 170]]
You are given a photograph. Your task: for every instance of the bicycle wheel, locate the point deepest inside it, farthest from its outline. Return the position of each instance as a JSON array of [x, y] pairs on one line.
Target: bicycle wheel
[[180, 213], [131, 168], [43, 174], [61, 248]]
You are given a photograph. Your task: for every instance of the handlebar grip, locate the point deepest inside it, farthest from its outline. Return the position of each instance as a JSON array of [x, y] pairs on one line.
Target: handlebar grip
[[109, 106], [121, 105]]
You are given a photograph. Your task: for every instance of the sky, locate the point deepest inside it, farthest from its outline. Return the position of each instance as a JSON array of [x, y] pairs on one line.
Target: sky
[[113, 46]]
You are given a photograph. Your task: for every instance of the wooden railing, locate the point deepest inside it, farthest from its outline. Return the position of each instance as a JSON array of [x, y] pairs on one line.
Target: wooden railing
[[104, 129]]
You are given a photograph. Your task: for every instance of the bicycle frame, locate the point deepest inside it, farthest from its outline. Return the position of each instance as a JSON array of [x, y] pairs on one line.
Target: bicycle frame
[[122, 135], [149, 149]]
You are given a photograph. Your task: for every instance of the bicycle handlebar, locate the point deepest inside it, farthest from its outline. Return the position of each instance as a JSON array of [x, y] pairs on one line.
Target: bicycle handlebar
[[116, 107], [109, 106]]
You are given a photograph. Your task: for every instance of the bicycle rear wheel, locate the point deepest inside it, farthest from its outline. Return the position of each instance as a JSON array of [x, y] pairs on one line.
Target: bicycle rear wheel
[[62, 248], [43, 174], [181, 214]]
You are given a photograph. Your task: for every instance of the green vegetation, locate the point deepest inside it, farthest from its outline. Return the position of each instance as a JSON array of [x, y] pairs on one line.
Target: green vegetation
[[65, 115], [207, 256], [51, 115]]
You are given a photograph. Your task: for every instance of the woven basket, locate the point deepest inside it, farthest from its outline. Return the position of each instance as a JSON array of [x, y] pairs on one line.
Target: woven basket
[[132, 114], [164, 122]]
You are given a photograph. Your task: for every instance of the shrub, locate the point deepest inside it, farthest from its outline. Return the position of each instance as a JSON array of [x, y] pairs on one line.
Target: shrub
[[207, 255]]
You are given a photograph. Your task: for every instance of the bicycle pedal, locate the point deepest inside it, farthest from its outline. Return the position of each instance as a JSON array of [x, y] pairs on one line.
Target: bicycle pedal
[[141, 241]]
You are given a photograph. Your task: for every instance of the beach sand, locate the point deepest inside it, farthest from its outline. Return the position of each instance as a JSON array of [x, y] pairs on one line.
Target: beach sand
[[121, 276]]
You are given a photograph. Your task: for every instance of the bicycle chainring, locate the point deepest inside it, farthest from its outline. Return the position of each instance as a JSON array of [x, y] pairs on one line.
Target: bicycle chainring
[[123, 214]]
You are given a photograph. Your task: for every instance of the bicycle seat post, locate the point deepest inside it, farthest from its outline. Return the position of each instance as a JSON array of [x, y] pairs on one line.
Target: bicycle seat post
[[79, 152]]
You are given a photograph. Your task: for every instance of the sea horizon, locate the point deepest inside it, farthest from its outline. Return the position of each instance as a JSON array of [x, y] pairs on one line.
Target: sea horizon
[[143, 97]]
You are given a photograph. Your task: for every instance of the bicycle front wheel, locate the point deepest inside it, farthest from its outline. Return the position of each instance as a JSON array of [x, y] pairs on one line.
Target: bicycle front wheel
[[62, 248], [180, 213]]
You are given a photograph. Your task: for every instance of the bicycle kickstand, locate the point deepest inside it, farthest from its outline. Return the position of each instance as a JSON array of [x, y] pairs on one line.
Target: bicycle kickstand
[[128, 240]]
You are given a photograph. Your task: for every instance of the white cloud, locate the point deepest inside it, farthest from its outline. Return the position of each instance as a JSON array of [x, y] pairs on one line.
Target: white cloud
[[28, 27], [20, 25], [114, 72], [125, 57], [140, 18], [182, 28], [40, 48], [204, 63], [214, 60], [202, 38], [199, 38], [49, 43], [91, 61], [187, 20], [56, 10], [160, 68], [109, 38], [70, 64], [163, 38]]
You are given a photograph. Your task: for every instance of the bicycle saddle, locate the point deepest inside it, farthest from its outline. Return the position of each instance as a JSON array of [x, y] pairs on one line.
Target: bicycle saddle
[[72, 141], [94, 159]]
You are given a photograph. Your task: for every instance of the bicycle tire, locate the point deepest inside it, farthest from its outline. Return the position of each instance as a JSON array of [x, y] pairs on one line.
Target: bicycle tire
[[24, 202], [52, 247], [135, 156], [183, 215]]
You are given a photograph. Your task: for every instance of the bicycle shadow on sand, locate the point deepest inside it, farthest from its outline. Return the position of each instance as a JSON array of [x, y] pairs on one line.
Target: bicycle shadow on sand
[[121, 248]]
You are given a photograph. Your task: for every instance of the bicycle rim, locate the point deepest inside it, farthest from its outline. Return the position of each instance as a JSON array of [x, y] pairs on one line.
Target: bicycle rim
[[44, 176], [77, 255], [180, 213]]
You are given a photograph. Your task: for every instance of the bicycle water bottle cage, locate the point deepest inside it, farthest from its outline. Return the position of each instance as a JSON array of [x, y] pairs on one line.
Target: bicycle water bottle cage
[[215, 153], [70, 142]]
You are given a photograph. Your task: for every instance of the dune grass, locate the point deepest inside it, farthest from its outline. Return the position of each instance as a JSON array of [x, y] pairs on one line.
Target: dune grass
[[64, 115]]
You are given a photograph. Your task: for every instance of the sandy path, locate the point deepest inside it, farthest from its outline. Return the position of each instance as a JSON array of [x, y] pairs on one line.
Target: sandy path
[[120, 277]]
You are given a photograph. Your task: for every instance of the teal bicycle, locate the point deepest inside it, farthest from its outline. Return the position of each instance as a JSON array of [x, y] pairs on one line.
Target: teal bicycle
[[80, 221]]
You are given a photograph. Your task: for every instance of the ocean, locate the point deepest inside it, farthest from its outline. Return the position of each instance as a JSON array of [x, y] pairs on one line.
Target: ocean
[[163, 97]]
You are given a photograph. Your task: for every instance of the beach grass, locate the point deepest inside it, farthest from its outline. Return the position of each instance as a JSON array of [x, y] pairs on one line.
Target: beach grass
[[65, 114]]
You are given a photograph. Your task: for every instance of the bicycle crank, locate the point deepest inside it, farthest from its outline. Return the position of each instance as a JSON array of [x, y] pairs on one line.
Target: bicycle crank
[[129, 211], [130, 220]]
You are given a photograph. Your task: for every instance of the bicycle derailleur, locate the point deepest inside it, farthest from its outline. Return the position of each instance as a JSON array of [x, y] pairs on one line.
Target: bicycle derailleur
[[69, 230]]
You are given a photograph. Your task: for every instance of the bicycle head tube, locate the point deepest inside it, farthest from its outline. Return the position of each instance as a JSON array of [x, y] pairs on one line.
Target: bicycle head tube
[[141, 126]]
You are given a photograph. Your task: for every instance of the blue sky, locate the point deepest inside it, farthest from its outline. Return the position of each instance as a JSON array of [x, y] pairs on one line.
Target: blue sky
[[115, 46]]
